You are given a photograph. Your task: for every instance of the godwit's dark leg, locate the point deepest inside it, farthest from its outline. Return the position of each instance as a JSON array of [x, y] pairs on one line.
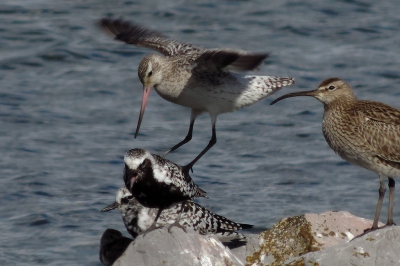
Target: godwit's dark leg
[[194, 114], [213, 140], [391, 199]]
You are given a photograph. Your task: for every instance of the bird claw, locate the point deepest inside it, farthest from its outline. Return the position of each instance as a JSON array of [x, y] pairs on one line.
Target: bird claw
[[151, 228], [165, 154], [177, 224], [187, 168]]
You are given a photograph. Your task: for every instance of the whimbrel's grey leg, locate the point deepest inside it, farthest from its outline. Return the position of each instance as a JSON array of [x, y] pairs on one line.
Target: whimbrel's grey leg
[[382, 190], [391, 198], [194, 114]]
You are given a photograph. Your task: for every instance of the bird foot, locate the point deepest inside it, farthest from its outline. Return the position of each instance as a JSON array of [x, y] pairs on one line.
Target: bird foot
[[368, 230], [151, 228], [187, 168], [165, 154], [177, 224]]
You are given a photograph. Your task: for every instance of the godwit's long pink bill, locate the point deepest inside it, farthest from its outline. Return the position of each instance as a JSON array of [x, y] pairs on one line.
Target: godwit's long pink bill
[[146, 93], [198, 78]]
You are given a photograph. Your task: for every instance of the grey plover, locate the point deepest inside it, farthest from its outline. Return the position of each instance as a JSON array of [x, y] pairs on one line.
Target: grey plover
[[156, 182], [364, 133], [138, 218], [194, 77]]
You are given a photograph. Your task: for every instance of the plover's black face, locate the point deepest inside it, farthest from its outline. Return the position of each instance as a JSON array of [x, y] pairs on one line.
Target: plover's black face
[[130, 176], [133, 176], [137, 164]]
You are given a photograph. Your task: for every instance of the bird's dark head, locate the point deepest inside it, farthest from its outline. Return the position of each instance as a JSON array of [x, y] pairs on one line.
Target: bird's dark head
[[138, 165]]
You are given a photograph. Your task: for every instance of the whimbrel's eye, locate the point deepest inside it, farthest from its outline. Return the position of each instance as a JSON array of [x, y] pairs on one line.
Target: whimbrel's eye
[[150, 73], [331, 88]]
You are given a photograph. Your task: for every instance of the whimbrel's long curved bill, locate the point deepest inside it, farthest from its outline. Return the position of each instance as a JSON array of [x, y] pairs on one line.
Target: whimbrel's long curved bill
[[295, 94], [110, 207], [146, 93]]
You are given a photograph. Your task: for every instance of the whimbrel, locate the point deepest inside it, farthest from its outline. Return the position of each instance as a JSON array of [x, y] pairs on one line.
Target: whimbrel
[[138, 218], [194, 77], [364, 133], [158, 183]]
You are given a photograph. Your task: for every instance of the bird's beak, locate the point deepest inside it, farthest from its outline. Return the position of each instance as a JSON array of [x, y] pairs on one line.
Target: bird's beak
[[312, 93], [146, 93], [110, 207], [131, 183]]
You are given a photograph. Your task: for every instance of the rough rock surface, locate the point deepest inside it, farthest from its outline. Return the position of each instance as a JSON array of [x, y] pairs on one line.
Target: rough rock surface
[[310, 239], [177, 248], [298, 235], [377, 248]]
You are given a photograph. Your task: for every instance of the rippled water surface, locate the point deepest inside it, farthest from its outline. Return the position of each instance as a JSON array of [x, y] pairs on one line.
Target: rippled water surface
[[70, 98]]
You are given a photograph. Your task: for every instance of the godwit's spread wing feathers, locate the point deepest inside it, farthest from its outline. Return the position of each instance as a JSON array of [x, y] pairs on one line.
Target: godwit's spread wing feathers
[[140, 36], [213, 64], [380, 126]]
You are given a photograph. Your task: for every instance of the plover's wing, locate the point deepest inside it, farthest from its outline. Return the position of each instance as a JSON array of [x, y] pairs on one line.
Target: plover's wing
[[140, 36], [178, 180], [213, 64]]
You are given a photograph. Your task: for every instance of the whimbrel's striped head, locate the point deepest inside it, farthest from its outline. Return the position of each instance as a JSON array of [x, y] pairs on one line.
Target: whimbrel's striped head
[[328, 91]]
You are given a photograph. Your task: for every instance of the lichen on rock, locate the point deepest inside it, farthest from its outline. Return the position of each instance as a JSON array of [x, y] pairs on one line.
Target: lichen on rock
[[290, 237]]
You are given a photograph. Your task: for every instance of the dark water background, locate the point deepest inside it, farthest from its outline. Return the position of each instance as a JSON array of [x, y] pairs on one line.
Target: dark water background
[[70, 97]]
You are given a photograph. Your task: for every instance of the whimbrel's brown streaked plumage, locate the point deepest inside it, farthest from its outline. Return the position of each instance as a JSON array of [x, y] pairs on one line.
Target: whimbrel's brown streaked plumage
[[364, 133], [198, 78]]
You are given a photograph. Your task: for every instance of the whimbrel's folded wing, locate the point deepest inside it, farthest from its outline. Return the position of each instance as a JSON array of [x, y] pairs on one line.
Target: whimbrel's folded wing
[[140, 36], [380, 127]]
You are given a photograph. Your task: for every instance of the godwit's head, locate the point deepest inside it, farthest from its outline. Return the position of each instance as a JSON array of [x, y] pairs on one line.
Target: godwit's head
[[330, 90], [150, 75]]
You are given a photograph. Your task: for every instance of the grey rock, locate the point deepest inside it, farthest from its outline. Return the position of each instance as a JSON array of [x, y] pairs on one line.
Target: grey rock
[[377, 248], [159, 247]]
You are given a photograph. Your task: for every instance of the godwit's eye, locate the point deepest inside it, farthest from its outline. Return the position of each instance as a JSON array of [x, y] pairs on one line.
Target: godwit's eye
[[331, 88], [150, 73]]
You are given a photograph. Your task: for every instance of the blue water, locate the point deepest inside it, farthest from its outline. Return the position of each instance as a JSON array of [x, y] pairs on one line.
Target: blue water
[[70, 98]]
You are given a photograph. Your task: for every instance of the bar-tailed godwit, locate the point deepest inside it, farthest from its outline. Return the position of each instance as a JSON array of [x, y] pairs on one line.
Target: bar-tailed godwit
[[198, 78]]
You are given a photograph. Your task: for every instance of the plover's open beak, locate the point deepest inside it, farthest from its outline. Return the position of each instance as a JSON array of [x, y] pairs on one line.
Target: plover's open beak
[[146, 93], [132, 182], [312, 93], [110, 207]]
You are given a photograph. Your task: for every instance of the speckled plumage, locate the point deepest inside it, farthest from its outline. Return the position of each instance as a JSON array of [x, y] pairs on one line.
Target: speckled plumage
[[138, 218], [157, 182], [364, 133], [198, 78]]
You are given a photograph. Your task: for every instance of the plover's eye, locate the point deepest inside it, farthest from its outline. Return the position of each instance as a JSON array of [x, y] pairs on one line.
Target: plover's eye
[[150, 73], [125, 200], [331, 88]]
